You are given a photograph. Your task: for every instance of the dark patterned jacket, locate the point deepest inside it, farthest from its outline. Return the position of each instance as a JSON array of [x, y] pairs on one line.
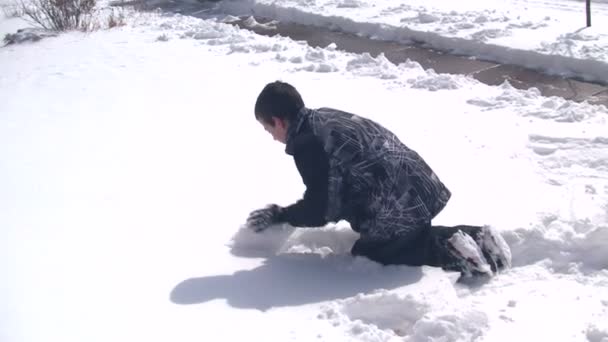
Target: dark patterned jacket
[[356, 170]]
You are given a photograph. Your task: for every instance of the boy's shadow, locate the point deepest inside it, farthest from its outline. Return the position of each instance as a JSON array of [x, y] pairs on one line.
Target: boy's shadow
[[296, 279]]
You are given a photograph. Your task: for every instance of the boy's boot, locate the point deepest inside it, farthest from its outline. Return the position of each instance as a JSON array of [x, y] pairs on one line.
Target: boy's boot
[[494, 248], [467, 256]]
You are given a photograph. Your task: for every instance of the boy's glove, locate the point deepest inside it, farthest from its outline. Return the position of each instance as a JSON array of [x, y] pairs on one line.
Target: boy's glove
[[261, 219]]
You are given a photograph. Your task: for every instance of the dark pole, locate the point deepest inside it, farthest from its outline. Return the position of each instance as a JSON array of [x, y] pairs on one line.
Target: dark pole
[[588, 13]]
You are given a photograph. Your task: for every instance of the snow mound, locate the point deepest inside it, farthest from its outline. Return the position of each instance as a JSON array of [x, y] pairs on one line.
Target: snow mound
[[587, 154], [220, 33], [385, 310], [597, 334], [434, 82], [214, 34], [488, 34], [366, 65], [313, 59], [580, 43], [426, 18], [307, 58], [565, 111], [251, 22], [209, 32], [269, 242], [319, 60], [317, 55], [255, 48], [465, 325], [285, 239], [350, 4], [563, 246], [385, 315], [320, 67], [552, 108]]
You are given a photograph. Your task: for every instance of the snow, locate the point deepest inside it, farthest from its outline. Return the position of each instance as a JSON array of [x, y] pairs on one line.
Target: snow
[[547, 35], [595, 334], [130, 159]]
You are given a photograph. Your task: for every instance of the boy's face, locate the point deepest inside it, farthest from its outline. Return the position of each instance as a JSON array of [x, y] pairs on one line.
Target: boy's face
[[278, 131]]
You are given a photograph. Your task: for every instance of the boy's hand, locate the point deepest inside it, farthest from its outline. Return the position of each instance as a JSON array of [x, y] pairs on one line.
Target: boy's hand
[[261, 219]]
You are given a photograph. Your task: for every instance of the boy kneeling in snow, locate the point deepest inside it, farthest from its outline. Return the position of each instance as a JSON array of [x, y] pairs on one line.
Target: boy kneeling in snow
[[358, 171]]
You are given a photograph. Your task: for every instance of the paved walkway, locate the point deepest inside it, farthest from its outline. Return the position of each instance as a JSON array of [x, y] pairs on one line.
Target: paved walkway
[[486, 72]]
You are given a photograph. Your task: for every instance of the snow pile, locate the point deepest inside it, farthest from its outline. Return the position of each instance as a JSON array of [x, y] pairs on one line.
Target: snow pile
[[246, 242], [255, 48], [386, 316], [596, 334], [561, 245], [561, 110], [350, 4], [182, 27], [284, 239], [457, 21], [310, 59], [380, 66], [525, 103], [588, 155], [423, 18], [319, 60], [316, 59], [251, 22], [585, 44], [335, 239], [433, 82], [215, 34]]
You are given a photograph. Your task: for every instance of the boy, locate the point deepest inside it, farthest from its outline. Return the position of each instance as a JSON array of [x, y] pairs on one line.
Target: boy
[[358, 171]]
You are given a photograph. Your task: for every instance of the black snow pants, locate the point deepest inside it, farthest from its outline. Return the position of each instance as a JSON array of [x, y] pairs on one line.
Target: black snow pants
[[427, 245]]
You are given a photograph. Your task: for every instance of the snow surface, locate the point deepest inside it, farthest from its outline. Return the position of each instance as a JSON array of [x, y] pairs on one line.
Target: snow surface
[[549, 35], [130, 158]]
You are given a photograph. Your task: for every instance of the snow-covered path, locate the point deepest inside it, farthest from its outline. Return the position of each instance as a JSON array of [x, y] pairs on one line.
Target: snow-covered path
[[130, 158]]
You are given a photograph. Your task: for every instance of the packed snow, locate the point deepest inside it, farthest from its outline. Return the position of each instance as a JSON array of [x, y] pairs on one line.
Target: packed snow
[[548, 35], [130, 158]]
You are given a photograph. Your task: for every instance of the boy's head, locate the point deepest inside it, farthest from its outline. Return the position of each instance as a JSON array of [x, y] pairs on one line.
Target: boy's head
[[277, 106]]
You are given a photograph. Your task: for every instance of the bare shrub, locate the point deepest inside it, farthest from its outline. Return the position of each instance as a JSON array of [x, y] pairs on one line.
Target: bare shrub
[[59, 15]]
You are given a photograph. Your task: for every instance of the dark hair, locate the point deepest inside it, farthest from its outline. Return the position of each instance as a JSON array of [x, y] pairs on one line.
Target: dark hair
[[278, 99]]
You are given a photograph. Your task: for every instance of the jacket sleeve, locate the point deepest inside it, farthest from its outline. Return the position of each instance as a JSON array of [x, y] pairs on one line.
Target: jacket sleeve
[[313, 166]]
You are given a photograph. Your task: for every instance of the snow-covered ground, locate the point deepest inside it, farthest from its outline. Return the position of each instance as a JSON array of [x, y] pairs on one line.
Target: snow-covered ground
[[550, 35], [129, 158]]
